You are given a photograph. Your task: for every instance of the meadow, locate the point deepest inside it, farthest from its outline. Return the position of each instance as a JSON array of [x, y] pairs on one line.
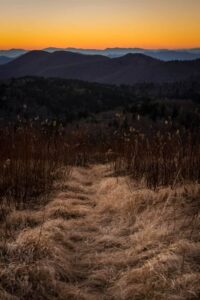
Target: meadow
[[104, 207]]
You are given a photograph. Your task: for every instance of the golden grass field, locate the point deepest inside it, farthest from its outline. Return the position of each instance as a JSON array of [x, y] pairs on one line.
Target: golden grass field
[[99, 236]]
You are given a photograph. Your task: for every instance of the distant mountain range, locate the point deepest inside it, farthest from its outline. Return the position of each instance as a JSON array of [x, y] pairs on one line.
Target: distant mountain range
[[162, 54], [4, 60], [127, 69]]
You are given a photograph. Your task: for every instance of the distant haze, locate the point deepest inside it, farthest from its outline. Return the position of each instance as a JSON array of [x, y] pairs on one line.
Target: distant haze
[[162, 54]]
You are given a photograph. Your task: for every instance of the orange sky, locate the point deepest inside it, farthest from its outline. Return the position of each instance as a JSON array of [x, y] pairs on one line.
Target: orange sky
[[35, 24]]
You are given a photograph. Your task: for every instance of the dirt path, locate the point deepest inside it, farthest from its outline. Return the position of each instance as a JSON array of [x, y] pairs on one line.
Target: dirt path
[[95, 230]]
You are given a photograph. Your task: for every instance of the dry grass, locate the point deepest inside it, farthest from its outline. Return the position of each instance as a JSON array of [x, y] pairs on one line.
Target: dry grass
[[103, 238], [29, 160], [158, 157]]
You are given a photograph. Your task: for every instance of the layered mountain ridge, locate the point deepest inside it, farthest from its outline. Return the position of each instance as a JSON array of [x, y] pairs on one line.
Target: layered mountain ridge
[[127, 69]]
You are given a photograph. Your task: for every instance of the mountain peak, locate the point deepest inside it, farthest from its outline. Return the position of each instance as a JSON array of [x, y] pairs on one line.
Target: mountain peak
[[35, 52], [137, 58]]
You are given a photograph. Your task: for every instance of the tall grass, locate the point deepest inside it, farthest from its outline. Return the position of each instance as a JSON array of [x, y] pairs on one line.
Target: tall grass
[[29, 158], [31, 155], [161, 158]]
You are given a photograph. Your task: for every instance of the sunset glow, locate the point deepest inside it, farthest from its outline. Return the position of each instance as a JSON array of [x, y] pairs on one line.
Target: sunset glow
[[99, 23]]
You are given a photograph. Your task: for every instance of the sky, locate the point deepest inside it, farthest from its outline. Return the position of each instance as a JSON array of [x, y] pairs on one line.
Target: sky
[[36, 24]]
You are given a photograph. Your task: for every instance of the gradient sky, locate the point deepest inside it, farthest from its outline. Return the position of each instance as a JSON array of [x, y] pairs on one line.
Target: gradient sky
[[35, 24]]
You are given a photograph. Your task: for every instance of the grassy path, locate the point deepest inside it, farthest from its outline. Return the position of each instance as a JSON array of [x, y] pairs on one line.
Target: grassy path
[[104, 238]]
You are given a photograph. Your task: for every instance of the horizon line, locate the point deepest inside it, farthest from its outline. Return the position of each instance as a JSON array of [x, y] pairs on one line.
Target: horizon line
[[99, 49]]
